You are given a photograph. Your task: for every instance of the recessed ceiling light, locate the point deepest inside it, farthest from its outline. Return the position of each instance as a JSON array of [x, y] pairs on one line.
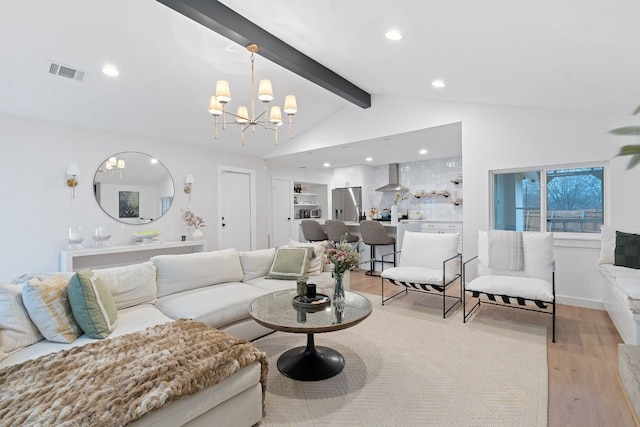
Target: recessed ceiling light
[[423, 151], [326, 165], [438, 84], [369, 159], [393, 35], [110, 70]]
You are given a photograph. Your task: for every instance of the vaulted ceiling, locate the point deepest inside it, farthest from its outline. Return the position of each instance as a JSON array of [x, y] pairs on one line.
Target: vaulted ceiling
[[567, 55]]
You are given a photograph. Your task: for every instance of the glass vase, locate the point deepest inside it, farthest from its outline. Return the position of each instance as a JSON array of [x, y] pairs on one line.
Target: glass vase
[[338, 292]]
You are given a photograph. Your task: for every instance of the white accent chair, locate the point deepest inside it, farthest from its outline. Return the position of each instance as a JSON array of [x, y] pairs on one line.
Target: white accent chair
[[534, 283], [429, 263]]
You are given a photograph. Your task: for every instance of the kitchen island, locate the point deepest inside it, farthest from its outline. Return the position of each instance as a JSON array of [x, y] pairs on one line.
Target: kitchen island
[[395, 230]]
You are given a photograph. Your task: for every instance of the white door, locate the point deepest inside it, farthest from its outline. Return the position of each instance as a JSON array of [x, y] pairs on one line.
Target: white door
[[237, 213], [281, 224]]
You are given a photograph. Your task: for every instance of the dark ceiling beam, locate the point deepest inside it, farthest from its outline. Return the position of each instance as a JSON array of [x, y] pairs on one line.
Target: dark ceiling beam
[[224, 21]]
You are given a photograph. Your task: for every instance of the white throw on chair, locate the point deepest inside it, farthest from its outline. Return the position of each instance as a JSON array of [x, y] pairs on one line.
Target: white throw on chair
[[513, 268], [429, 263]]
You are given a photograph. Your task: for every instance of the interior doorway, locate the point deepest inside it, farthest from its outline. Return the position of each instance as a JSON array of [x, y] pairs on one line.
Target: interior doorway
[[236, 208]]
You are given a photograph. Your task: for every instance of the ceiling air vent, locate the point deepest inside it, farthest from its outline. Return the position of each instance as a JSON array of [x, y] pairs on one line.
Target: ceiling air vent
[[66, 71]]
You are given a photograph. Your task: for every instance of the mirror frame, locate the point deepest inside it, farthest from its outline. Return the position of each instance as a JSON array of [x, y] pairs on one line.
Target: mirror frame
[[127, 198]]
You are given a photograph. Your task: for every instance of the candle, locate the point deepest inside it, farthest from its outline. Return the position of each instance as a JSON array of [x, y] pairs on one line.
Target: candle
[[101, 232]]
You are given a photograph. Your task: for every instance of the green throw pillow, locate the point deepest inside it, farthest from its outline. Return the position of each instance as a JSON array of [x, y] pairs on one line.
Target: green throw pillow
[[290, 263], [627, 252], [92, 304]]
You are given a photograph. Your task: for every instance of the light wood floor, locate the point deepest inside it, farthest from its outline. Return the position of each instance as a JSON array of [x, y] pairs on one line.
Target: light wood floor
[[583, 382]]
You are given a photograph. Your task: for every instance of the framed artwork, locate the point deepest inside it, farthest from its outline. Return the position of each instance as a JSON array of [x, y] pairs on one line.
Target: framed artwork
[[129, 204]]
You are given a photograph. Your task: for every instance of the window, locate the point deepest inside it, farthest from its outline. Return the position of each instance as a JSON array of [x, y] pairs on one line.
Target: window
[[559, 200]]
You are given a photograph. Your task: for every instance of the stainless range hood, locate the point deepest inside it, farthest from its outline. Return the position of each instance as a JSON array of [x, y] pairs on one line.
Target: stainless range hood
[[394, 180]]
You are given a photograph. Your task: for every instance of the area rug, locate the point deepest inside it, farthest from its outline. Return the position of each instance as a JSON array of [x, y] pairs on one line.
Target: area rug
[[407, 366]]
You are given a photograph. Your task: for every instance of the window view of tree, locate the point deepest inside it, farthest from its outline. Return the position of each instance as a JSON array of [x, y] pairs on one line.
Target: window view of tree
[[574, 200]]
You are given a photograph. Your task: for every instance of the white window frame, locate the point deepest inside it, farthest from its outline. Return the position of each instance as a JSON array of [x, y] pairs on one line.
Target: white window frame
[[543, 194]]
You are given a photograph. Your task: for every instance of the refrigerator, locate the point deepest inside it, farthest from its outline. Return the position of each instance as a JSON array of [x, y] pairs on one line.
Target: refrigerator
[[346, 203]]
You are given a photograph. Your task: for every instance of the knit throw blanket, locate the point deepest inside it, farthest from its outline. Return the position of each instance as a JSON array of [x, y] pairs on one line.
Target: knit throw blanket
[[116, 381], [506, 251]]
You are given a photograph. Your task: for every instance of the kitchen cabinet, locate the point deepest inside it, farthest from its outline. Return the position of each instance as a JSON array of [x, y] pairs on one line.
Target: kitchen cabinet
[[348, 176]]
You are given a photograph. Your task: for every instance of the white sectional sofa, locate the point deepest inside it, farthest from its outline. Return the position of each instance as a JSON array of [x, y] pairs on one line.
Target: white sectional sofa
[[215, 288], [621, 295]]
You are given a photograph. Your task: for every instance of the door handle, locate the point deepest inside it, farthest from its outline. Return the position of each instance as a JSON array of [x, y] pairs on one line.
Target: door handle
[[289, 219], [223, 224]]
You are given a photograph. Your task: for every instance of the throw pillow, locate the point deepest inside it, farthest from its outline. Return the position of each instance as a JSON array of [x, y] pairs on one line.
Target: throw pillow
[[256, 263], [608, 242], [48, 306], [627, 252], [318, 259], [92, 304], [290, 263], [16, 328]]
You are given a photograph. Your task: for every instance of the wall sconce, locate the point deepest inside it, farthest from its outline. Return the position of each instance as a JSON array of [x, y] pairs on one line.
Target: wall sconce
[[73, 170], [187, 184]]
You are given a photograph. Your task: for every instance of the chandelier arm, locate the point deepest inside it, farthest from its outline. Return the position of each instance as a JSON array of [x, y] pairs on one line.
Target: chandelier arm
[[258, 118]]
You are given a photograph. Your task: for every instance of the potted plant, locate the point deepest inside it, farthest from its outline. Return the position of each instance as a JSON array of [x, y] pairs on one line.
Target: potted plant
[[629, 150], [194, 222]]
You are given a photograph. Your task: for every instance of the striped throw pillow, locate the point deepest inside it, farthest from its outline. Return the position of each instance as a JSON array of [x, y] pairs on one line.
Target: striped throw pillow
[[48, 307]]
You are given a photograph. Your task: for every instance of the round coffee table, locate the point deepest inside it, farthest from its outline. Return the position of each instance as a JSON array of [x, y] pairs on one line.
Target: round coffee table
[[310, 363]]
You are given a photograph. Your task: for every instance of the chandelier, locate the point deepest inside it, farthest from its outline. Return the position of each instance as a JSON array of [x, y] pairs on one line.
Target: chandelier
[[112, 166], [265, 95]]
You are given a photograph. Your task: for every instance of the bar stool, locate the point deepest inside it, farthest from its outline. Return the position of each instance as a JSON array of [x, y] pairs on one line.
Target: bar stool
[[312, 231], [374, 234], [337, 231]]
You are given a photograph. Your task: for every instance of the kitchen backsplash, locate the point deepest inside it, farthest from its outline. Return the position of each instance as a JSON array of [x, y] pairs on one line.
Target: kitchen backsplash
[[425, 176]]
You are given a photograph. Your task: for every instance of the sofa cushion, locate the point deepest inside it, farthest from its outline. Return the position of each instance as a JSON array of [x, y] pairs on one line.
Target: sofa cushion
[[92, 304], [317, 260], [538, 256], [417, 275], [290, 263], [130, 319], [16, 328], [216, 306], [130, 284], [48, 306], [627, 252], [178, 273], [427, 250], [256, 263], [530, 288]]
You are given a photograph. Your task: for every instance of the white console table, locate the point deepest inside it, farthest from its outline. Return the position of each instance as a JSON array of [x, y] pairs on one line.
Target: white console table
[[75, 260]]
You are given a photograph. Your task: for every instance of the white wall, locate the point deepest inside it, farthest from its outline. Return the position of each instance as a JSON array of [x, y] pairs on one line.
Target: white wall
[[37, 207], [495, 137]]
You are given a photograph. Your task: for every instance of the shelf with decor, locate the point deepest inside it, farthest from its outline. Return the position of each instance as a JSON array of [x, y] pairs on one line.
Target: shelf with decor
[[456, 181], [443, 193], [308, 200]]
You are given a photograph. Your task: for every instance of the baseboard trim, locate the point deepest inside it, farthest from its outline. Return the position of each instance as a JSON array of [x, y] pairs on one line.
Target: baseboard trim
[[580, 302]]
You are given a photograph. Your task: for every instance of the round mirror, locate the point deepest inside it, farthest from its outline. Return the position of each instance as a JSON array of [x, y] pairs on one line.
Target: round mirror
[[133, 188]]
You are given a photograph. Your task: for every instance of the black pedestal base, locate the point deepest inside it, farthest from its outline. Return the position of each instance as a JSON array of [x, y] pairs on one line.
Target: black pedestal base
[[310, 363]]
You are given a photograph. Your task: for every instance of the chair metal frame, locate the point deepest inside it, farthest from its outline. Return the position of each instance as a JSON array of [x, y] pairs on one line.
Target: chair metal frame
[[424, 287], [506, 299]]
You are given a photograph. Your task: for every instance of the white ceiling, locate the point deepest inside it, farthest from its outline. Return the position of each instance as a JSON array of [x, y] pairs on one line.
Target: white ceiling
[[577, 55]]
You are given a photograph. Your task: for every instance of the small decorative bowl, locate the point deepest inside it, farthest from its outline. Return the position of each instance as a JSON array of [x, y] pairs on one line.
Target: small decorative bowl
[[146, 236]]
